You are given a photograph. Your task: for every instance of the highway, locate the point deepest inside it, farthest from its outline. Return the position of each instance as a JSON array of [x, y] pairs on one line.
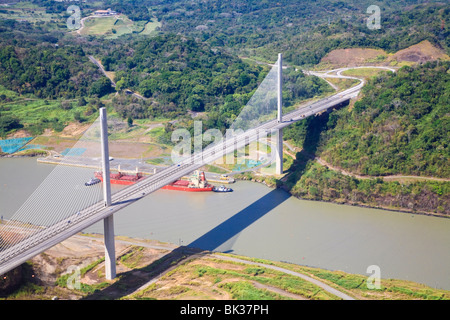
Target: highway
[[50, 236]]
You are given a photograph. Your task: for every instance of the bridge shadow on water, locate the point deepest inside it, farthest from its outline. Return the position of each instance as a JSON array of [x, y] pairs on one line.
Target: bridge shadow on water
[[130, 281], [241, 220]]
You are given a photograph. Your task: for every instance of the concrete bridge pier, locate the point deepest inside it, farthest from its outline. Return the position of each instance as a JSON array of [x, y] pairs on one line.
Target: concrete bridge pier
[[278, 135], [108, 222], [110, 250], [279, 132]]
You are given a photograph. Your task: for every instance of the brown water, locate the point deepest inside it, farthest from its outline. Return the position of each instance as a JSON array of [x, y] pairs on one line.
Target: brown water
[[261, 222]]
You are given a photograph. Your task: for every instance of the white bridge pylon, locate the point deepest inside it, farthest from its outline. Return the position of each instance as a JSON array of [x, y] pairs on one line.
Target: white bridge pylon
[[108, 222], [279, 134]]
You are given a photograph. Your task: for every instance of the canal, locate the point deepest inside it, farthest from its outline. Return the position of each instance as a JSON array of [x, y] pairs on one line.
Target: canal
[[260, 222]]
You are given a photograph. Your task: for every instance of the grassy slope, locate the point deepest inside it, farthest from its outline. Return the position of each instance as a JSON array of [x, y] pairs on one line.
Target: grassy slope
[[38, 114], [104, 26], [186, 274]]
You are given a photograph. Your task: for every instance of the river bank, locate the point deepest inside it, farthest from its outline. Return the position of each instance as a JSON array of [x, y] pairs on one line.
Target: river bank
[[410, 207], [149, 269]]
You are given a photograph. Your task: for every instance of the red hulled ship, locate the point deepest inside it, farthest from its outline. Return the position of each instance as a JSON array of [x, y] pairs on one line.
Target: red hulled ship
[[196, 183], [121, 178]]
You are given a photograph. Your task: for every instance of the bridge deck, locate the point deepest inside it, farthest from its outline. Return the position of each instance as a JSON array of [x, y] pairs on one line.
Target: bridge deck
[[50, 236]]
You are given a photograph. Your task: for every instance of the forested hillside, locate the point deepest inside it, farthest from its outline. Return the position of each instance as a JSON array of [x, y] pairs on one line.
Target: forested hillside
[[48, 72], [306, 31], [46, 79], [400, 126], [182, 74], [178, 75], [36, 61]]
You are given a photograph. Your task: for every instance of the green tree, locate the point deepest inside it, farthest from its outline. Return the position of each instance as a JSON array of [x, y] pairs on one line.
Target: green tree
[[8, 123], [82, 102], [101, 87], [195, 103]]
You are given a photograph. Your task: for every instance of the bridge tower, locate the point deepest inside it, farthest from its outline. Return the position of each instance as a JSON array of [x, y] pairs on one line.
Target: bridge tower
[[279, 132], [108, 222]]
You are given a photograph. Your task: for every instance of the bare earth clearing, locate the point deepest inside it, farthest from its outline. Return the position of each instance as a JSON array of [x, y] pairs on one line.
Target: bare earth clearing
[[419, 53]]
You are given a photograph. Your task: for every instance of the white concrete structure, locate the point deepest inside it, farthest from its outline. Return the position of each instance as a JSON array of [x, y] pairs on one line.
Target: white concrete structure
[[279, 135], [110, 248], [105, 157], [280, 86], [108, 222]]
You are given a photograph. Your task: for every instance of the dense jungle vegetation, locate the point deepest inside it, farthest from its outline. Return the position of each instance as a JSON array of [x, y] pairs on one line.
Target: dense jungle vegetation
[[182, 75], [399, 127], [306, 31]]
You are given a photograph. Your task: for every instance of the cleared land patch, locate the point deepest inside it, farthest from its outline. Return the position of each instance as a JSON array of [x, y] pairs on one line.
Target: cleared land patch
[[418, 53]]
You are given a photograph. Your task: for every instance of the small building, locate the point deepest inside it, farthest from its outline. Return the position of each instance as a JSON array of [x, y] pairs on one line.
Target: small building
[[108, 12]]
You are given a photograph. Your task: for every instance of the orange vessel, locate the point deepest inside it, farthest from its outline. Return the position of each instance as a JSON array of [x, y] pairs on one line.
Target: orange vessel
[[196, 183]]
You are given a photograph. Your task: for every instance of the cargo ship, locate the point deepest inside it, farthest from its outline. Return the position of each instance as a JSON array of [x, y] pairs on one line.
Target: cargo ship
[[121, 178], [196, 183]]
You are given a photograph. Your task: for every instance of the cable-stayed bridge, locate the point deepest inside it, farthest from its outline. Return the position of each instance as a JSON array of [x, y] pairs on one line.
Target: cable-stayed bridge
[[42, 238]]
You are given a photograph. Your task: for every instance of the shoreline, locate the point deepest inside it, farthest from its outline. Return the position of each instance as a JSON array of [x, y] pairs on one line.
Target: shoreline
[[256, 180], [145, 263], [361, 205], [150, 262]]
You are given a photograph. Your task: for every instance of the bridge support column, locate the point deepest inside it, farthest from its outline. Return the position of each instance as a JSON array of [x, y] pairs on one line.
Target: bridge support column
[[279, 151], [105, 157], [108, 222], [279, 87], [279, 132], [110, 250]]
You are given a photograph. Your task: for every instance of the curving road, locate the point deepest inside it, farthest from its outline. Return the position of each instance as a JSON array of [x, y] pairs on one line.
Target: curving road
[[296, 274]]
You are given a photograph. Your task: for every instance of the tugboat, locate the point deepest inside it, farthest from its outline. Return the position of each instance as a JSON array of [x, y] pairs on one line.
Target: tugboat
[[222, 189], [196, 183], [92, 182]]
